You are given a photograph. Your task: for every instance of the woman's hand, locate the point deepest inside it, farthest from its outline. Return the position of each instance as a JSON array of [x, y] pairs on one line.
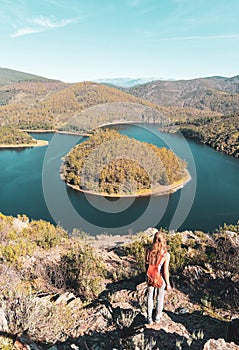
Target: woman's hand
[[168, 286]]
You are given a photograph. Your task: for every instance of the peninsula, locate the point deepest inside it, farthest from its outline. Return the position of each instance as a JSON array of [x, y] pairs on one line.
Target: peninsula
[[111, 164], [11, 137]]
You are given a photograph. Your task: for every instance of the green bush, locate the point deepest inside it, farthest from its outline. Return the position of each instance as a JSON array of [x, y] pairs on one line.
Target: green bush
[[229, 227], [80, 270], [178, 253], [138, 248], [44, 234]]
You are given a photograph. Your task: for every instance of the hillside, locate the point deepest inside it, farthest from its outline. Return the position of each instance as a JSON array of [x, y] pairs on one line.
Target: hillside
[[81, 292], [216, 93], [11, 137], [9, 75], [79, 107], [46, 104]]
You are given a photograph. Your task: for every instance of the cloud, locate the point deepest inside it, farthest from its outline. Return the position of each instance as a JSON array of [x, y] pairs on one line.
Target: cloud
[[195, 37], [41, 24]]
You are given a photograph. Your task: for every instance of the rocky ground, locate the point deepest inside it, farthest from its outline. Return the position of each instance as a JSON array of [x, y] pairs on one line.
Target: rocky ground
[[116, 319]]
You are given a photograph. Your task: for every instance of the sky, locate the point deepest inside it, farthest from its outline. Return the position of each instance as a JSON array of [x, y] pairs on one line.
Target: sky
[[77, 40]]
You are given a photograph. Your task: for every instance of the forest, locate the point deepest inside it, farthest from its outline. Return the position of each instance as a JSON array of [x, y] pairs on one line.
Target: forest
[[110, 163], [221, 133], [13, 136]]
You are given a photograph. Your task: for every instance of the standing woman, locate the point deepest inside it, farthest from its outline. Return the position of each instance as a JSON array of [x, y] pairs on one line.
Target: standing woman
[[157, 255]]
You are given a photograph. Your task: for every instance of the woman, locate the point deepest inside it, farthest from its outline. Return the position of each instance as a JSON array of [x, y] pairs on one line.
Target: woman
[[157, 254]]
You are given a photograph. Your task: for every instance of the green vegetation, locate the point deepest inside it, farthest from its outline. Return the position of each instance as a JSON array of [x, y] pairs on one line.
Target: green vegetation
[[78, 268], [10, 75], [221, 133], [38, 258], [20, 237], [56, 105], [183, 252], [55, 288], [80, 107], [13, 136], [216, 97], [113, 164]]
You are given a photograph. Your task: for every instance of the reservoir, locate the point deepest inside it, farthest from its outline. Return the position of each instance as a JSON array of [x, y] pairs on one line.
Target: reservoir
[[31, 185]]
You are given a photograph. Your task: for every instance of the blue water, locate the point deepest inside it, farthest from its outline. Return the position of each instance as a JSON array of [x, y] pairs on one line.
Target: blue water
[[31, 185]]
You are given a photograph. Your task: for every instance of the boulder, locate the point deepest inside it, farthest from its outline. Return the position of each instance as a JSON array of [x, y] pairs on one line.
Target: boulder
[[219, 344], [3, 322]]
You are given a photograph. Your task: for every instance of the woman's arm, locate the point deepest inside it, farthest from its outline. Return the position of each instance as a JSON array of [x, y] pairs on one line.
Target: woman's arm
[[147, 259], [166, 271]]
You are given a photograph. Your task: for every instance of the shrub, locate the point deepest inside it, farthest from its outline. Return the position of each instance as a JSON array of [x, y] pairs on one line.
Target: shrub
[[138, 247], [80, 270], [229, 227], [178, 253], [44, 234]]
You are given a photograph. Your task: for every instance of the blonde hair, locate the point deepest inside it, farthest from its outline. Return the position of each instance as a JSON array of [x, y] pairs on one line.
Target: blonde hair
[[159, 248]]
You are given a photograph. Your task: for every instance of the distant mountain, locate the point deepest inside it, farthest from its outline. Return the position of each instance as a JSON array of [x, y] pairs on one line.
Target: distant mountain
[[215, 93], [125, 82], [9, 75]]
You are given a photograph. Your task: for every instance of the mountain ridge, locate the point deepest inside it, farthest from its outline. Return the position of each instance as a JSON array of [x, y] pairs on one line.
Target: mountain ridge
[[199, 93], [206, 109], [8, 75]]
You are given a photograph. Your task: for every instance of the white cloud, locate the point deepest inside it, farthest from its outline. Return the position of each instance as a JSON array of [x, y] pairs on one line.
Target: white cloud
[[193, 37], [25, 31], [41, 24]]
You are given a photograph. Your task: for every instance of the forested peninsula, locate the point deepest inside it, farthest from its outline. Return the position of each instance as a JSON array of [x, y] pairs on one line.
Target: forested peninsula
[[111, 164], [11, 137]]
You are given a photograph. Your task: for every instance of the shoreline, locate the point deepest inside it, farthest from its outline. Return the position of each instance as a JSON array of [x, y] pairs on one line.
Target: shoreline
[[39, 143], [164, 190], [55, 131]]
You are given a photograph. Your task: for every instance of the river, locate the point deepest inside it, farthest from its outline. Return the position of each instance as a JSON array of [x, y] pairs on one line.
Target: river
[[31, 185]]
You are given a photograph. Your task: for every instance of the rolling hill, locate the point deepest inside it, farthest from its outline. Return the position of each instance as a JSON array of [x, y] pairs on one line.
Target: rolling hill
[[10, 75], [219, 94], [79, 107], [206, 109], [213, 94]]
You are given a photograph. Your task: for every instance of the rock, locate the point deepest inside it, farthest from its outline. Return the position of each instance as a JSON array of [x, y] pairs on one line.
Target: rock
[[3, 322], [193, 272], [233, 331], [75, 303], [21, 346], [151, 231], [65, 298], [181, 310], [25, 343], [219, 344], [19, 225]]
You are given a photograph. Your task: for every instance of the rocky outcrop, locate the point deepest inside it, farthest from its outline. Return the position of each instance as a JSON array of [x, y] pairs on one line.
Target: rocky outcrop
[[219, 344]]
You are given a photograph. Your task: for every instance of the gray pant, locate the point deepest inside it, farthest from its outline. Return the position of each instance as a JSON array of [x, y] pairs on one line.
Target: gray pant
[[159, 294]]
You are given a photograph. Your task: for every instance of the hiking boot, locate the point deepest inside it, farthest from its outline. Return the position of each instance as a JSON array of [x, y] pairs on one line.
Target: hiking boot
[[149, 320]]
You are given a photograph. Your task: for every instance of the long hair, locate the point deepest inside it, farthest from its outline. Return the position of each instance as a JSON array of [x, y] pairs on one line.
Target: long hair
[[158, 249]]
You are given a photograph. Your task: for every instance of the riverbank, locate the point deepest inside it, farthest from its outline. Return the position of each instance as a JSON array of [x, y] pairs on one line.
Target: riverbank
[[39, 143], [159, 191]]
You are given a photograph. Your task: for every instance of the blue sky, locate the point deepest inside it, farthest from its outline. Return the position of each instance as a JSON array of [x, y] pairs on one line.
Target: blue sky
[[76, 40]]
